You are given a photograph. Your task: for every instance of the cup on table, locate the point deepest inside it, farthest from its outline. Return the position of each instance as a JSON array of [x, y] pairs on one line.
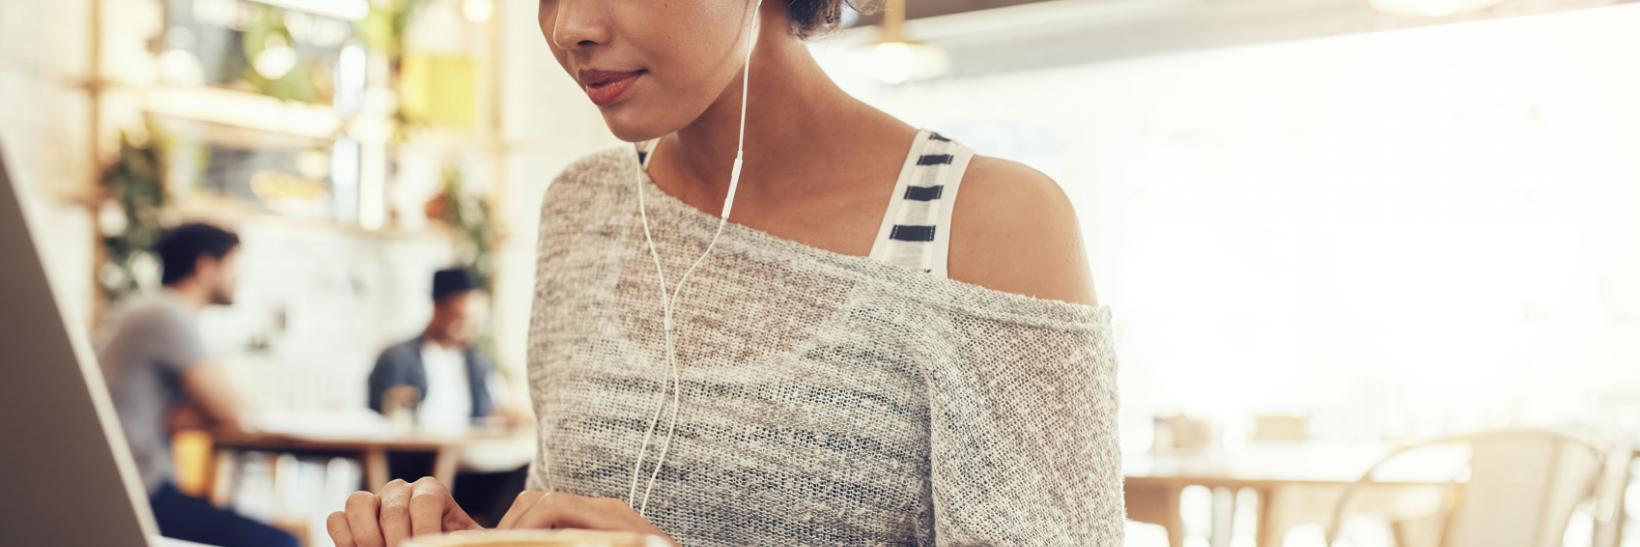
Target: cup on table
[[539, 538]]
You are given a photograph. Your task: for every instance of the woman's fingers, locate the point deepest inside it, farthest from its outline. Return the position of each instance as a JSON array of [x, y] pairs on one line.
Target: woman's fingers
[[395, 512], [520, 505], [426, 511], [400, 510], [542, 512], [570, 511], [362, 509], [433, 511], [336, 524], [403, 510], [559, 510]]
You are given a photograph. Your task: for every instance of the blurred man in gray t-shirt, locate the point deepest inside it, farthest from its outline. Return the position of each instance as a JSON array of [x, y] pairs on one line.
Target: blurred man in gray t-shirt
[[155, 347], [158, 372]]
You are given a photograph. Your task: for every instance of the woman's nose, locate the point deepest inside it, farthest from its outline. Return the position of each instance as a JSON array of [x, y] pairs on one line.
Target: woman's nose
[[578, 24]]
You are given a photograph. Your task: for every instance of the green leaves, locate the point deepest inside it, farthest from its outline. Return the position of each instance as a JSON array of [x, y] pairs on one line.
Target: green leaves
[[272, 65], [384, 28], [131, 223], [470, 216]]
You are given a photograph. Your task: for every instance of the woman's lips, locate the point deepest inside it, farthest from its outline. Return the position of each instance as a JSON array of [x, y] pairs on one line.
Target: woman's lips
[[605, 87]]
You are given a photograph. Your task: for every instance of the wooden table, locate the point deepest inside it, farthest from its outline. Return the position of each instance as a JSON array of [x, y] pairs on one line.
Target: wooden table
[[1296, 484], [370, 449]]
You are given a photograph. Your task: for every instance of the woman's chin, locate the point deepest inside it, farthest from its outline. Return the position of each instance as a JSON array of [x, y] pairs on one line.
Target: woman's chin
[[631, 126], [638, 118]]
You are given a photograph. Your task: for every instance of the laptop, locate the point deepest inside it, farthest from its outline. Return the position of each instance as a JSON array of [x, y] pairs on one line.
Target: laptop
[[66, 477]]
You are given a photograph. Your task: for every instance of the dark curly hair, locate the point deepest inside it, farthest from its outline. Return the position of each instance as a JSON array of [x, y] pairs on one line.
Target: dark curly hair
[[811, 17]]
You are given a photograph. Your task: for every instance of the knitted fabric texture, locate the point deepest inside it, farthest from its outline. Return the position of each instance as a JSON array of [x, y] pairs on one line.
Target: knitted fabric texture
[[826, 399]]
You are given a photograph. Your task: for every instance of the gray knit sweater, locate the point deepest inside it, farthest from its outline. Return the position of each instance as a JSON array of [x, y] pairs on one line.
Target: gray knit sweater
[[827, 399]]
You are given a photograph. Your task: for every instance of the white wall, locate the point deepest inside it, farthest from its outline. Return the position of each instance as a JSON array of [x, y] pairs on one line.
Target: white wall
[[548, 123], [314, 308], [45, 131], [1402, 232]]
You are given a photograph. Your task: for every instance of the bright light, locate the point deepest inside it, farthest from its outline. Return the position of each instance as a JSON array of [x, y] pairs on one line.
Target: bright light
[[276, 60], [893, 62], [351, 75], [1431, 8], [372, 186], [179, 66], [899, 62], [478, 11], [344, 176]]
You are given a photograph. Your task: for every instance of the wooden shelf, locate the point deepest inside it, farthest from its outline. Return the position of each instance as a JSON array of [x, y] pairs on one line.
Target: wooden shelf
[[201, 206], [239, 109]]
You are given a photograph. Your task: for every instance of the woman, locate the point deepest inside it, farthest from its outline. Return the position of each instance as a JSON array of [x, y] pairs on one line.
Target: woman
[[859, 357]]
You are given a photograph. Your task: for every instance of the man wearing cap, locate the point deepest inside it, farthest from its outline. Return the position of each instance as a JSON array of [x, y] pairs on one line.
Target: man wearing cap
[[445, 383], [438, 374]]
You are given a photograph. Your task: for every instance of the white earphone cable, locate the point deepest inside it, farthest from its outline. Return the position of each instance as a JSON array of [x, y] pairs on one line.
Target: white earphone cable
[[670, 303]]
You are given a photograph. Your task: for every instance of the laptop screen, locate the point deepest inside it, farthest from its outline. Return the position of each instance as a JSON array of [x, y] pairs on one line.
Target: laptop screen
[[65, 459]]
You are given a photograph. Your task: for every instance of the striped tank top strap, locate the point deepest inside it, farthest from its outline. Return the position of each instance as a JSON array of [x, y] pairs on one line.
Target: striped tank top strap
[[916, 229], [646, 150]]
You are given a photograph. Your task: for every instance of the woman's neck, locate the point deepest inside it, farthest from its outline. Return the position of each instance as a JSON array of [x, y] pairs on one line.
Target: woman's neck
[[798, 122]]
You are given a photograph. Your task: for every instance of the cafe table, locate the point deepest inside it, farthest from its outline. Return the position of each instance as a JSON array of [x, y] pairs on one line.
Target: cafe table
[[369, 442], [1294, 484]]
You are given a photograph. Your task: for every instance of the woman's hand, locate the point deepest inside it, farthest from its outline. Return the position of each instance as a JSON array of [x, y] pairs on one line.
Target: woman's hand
[[535, 509], [399, 511]]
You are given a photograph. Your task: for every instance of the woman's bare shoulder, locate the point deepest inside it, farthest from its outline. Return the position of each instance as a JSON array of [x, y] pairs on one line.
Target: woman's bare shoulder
[[1014, 230]]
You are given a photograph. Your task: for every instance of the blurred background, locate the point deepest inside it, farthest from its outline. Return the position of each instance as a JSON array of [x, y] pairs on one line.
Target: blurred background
[[1326, 228]]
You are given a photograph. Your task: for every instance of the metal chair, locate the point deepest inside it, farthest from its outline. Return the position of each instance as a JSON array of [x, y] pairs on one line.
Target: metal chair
[[1519, 489]]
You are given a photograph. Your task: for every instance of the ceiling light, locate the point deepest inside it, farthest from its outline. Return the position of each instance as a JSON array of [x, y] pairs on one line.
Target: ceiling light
[[894, 59], [478, 11], [900, 62]]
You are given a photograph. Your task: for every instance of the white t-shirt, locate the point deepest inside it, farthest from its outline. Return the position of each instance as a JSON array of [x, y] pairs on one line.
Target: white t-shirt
[[448, 403]]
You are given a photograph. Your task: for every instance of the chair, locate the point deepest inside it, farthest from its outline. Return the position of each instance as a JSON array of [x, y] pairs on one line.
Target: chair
[[1277, 428], [1519, 489]]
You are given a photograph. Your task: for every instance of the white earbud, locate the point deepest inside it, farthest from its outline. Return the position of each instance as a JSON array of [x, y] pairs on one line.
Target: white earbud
[[668, 303]]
